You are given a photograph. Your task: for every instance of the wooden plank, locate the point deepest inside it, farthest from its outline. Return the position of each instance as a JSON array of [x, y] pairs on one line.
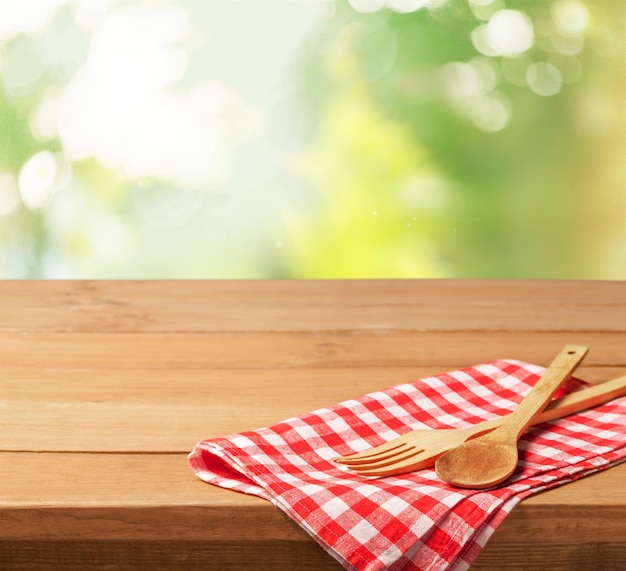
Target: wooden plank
[[418, 305], [302, 390], [121, 410], [109, 293], [296, 350], [99, 555], [46, 496]]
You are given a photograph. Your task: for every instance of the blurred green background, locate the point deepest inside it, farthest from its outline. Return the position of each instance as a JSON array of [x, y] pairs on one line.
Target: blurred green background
[[312, 138]]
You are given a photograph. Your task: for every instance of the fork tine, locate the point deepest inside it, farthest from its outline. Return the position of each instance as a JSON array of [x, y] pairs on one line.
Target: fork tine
[[388, 450], [420, 458], [389, 465], [409, 464]]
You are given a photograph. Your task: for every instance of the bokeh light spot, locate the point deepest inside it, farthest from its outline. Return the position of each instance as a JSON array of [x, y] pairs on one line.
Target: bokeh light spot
[[491, 112], [544, 78], [37, 179], [510, 32], [570, 16], [507, 33]]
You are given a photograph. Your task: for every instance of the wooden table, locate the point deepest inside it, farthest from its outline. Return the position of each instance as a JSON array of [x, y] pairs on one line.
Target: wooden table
[[106, 386]]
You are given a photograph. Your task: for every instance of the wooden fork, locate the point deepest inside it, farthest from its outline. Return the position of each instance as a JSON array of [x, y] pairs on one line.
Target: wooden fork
[[420, 448]]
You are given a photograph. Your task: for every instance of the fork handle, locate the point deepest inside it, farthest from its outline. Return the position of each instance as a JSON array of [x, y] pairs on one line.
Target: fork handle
[[574, 402], [583, 399]]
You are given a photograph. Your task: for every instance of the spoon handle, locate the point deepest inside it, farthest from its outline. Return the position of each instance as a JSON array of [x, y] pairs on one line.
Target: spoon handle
[[542, 392]]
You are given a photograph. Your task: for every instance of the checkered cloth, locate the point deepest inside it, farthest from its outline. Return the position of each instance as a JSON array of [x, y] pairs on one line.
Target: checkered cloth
[[412, 521]]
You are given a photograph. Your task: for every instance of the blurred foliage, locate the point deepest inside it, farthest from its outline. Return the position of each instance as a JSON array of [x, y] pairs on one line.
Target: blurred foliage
[[541, 197], [268, 138]]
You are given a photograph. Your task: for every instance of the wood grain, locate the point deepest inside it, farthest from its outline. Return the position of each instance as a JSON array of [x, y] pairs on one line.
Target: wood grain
[[262, 350], [209, 555], [426, 305], [105, 387]]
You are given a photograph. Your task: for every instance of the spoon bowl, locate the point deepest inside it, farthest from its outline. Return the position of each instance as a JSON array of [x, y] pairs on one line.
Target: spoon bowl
[[478, 464]]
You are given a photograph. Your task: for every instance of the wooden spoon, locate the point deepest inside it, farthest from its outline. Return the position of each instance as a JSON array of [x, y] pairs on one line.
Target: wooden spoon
[[490, 459]]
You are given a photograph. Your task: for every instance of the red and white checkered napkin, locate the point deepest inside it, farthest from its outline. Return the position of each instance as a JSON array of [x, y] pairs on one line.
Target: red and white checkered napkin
[[412, 521]]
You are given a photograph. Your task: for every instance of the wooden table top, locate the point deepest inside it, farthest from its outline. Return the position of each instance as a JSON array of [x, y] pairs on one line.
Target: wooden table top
[[105, 387]]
